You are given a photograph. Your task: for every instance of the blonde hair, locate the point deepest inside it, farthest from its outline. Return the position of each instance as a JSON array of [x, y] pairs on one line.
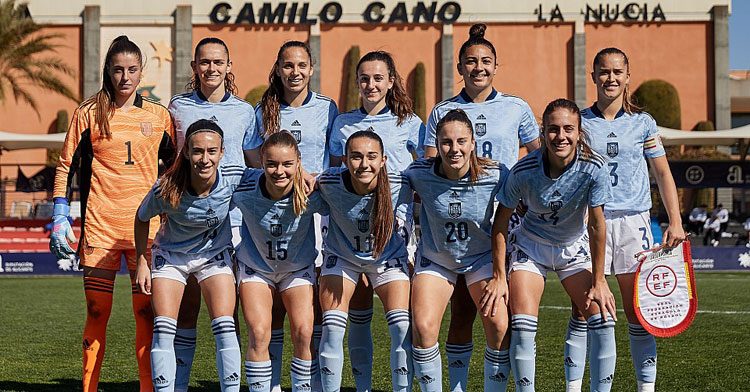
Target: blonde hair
[[285, 139]]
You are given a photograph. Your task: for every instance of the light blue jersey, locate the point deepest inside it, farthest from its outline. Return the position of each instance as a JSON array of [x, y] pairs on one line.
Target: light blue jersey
[[625, 142], [556, 207], [500, 123], [351, 216], [310, 124], [455, 216], [274, 238], [235, 117], [399, 141], [198, 224]]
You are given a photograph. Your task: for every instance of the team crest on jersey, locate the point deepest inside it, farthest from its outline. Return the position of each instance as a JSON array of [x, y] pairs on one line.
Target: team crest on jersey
[[480, 129], [159, 262], [555, 205], [147, 129], [275, 225], [297, 135], [331, 261], [363, 221], [454, 206], [613, 148]]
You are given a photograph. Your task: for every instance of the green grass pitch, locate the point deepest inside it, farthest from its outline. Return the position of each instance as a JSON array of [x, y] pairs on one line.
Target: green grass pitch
[[41, 322]]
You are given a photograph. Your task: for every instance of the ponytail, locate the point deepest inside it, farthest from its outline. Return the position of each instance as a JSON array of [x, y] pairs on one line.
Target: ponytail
[[195, 83], [382, 205], [285, 139], [476, 164], [270, 103], [103, 101], [627, 102], [397, 100]]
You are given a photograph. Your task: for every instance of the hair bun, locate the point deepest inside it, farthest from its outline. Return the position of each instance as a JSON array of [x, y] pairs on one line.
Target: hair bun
[[477, 31], [121, 38]]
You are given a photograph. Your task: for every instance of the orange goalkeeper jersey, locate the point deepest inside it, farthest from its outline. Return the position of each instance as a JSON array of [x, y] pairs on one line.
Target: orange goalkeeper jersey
[[114, 173]]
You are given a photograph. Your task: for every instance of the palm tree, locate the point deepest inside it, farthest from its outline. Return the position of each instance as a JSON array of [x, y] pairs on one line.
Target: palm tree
[[24, 57]]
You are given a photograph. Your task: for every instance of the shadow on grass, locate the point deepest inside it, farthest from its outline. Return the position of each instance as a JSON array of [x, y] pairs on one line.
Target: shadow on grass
[[71, 384]]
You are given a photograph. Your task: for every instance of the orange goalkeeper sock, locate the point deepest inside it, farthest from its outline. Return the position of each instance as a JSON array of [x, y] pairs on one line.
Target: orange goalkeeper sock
[[144, 332], [98, 293]]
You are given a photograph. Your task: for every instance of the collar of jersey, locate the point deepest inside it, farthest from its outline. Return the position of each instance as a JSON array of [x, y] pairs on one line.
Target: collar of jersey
[[545, 164], [264, 191], [192, 191], [346, 177], [307, 99], [138, 102], [468, 99], [382, 111], [599, 114], [202, 97], [436, 170]]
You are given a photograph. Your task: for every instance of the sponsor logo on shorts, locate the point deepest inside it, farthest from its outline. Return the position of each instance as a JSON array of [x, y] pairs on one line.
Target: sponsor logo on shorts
[[424, 262], [249, 271], [521, 256], [307, 275], [331, 261], [159, 262], [147, 129]]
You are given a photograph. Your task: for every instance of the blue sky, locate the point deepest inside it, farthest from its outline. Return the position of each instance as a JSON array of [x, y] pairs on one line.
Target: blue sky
[[739, 35]]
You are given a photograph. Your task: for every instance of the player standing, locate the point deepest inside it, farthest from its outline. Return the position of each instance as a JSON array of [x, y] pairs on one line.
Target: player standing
[[192, 198], [212, 96], [501, 122], [362, 200], [388, 111], [289, 104], [458, 191], [627, 137], [114, 142], [559, 183]]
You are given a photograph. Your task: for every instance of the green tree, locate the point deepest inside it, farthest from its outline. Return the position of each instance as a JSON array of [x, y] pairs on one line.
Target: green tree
[[660, 99], [420, 99], [26, 59], [352, 90], [253, 96]]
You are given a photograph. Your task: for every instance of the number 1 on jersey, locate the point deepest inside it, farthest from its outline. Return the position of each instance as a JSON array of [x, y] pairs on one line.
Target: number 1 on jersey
[[130, 159]]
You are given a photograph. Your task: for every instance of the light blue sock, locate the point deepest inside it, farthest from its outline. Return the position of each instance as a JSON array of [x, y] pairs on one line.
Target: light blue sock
[[496, 369], [459, 356], [603, 352], [576, 345], [523, 350], [258, 376], [163, 365], [401, 366], [643, 351], [276, 352], [360, 348], [331, 358], [317, 334], [302, 371], [228, 357], [184, 349], [428, 368]]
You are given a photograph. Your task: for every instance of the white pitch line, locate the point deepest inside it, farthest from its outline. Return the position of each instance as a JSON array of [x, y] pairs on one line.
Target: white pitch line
[[622, 311]]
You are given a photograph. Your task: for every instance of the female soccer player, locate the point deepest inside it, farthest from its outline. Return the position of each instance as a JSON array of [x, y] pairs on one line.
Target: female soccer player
[[501, 122], [192, 198], [559, 183], [277, 254], [289, 104], [457, 190], [213, 96], [388, 111], [628, 137], [114, 142], [362, 200]]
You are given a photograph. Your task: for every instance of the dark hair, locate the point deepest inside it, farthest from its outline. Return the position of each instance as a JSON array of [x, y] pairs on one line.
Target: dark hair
[[627, 103], [476, 37], [382, 206], [584, 143], [397, 100], [286, 139], [195, 83], [476, 164], [270, 103], [104, 99], [176, 179]]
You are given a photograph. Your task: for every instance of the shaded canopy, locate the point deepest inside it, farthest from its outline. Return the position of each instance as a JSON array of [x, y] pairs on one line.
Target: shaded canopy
[[730, 137], [21, 141]]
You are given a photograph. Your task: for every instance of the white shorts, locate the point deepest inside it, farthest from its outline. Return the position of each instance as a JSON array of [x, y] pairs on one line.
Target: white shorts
[[405, 229], [321, 230], [377, 274], [178, 266], [278, 280], [531, 253], [627, 234], [427, 266]]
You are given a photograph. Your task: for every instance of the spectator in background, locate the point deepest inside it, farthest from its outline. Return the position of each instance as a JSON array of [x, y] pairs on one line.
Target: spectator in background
[[697, 219], [723, 215], [713, 231]]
